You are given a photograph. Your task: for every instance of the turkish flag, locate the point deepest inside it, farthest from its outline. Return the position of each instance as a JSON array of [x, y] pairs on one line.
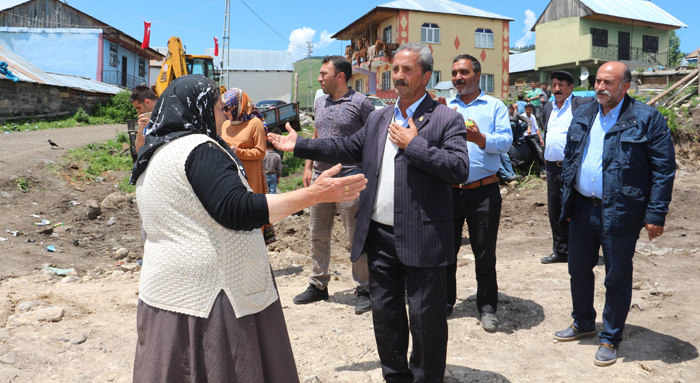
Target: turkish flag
[[216, 46], [146, 35]]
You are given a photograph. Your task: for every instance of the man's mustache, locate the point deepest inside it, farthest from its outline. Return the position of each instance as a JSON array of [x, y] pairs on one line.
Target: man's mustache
[[603, 92], [558, 92], [400, 82], [460, 82]]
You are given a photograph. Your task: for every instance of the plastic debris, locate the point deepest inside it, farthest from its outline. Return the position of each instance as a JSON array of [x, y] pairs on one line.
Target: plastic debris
[[60, 272], [139, 262], [51, 249], [15, 233], [36, 215], [74, 203], [3, 239], [29, 240], [43, 222], [59, 224]]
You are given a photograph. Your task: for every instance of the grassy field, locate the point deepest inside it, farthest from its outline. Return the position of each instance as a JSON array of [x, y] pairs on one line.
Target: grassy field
[[302, 67], [55, 123]]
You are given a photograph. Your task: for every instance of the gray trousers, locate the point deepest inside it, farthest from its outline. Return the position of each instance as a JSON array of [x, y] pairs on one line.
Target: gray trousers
[[322, 219]]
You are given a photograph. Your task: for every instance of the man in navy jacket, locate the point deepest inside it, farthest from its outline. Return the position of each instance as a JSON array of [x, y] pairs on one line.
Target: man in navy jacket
[[617, 178], [411, 154]]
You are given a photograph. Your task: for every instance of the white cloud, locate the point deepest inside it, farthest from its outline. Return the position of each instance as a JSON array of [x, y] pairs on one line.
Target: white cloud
[[530, 20], [298, 39], [326, 40]]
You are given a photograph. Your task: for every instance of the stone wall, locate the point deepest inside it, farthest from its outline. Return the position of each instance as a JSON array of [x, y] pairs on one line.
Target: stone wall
[[32, 99]]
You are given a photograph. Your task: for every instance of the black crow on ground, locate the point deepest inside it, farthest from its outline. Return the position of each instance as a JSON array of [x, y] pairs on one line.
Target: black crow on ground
[[53, 144]]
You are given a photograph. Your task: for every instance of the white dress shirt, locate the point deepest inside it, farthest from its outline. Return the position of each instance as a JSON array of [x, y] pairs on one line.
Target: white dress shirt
[[557, 128]]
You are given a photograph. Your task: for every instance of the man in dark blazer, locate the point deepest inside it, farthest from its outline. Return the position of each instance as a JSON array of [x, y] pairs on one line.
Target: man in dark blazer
[[411, 154], [556, 117]]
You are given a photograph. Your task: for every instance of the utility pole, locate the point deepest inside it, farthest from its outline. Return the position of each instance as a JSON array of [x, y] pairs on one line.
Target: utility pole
[[309, 46], [225, 40]]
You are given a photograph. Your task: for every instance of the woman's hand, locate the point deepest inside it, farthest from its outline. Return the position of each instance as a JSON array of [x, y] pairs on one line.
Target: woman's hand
[[329, 189]]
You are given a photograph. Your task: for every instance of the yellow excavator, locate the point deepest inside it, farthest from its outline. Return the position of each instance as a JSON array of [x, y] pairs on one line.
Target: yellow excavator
[[177, 63]]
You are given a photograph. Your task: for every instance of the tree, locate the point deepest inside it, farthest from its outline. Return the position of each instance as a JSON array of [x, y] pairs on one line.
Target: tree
[[675, 56]]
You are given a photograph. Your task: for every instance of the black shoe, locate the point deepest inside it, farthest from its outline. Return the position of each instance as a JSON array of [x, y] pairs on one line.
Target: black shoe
[[364, 302], [489, 322], [553, 258], [606, 355], [312, 294], [572, 333]]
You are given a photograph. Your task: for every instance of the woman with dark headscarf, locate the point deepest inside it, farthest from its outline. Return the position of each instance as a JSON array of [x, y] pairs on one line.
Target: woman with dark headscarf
[[208, 307], [244, 132]]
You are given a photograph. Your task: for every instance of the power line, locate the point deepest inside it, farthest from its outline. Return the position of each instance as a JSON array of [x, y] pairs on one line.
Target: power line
[[268, 25], [185, 14]]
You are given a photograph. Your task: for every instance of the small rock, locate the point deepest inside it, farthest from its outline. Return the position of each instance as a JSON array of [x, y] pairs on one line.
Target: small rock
[[27, 306], [80, 340], [111, 221], [646, 368], [311, 379], [71, 279], [121, 253], [79, 189], [116, 200], [45, 230], [99, 180], [8, 358], [93, 209], [130, 267], [504, 192], [117, 273], [62, 229], [51, 314]]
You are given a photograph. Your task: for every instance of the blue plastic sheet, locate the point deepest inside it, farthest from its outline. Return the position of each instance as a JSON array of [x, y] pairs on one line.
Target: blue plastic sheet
[[5, 71]]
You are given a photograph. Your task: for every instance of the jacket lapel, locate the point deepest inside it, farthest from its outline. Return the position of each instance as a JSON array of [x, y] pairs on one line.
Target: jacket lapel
[[627, 117], [383, 131], [423, 112]]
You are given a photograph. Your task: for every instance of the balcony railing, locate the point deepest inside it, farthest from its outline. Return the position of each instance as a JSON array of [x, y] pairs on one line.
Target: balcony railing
[[121, 79], [614, 52]]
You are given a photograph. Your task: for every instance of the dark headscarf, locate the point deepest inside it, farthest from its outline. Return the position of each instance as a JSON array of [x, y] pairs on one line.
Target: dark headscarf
[[185, 107]]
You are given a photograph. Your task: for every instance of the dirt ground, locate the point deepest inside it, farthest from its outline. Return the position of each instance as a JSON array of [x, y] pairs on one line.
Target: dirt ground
[[93, 338]]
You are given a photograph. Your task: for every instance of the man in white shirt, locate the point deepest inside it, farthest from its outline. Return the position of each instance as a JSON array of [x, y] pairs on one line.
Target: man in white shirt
[[557, 117]]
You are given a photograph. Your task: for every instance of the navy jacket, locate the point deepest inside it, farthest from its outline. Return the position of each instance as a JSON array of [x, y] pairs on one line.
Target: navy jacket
[[639, 166], [424, 173]]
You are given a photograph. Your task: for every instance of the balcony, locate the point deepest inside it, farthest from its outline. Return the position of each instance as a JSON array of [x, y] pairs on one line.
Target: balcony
[[121, 79], [614, 52]]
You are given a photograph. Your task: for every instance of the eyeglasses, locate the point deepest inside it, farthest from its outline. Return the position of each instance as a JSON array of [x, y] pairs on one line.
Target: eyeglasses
[[226, 109]]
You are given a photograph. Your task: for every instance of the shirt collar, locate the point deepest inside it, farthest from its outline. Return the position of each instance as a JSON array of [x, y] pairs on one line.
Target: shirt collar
[[566, 102], [614, 113], [345, 97], [411, 109], [458, 100]]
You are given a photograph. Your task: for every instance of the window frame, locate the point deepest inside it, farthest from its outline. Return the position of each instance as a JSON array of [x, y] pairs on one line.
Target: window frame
[[648, 40], [485, 87], [142, 67], [602, 35], [433, 81], [386, 80], [113, 56], [430, 29], [482, 33], [384, 35]]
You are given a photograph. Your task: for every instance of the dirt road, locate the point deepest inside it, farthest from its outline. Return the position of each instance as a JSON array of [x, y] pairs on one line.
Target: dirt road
[[95, 339]]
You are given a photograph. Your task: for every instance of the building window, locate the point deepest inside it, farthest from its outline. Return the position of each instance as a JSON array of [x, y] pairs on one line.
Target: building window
[[142, 67], [387, 35], [483, 38], [430, 33], [386, 80], [650, 44], [358, 85], [600, 37], [113, 60], [434, 80], [486, 83]]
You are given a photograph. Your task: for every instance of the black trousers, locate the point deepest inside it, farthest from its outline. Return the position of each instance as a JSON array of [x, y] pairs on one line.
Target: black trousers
[[560, 233], [481, 208], [390, 281], [533, 141]]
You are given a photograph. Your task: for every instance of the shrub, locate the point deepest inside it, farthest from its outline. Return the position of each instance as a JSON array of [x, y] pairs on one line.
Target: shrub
[[118, 109], [81, 116]]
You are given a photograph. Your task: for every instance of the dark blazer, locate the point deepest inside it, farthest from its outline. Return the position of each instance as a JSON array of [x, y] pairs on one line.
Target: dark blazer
[[424, 173], [575, 103]]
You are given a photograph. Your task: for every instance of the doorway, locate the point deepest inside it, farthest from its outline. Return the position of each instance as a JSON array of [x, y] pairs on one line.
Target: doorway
[[124, 66], [623, 46]]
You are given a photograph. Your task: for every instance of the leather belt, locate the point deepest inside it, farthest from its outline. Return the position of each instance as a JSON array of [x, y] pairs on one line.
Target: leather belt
[[597, 202], [558, 163], [482, 182]]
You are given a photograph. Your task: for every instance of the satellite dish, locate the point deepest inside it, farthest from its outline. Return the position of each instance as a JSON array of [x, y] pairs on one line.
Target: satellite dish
[[584, 76]]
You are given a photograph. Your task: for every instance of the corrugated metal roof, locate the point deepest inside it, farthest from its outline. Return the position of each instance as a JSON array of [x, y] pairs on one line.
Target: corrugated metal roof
[[521, 62], [442, 6], [633, 9], [29, 73], [243, 59], [444, 85], [6, 4]]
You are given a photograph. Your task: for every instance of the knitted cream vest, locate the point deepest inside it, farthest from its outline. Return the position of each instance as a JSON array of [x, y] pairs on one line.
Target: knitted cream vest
[[188, 256]]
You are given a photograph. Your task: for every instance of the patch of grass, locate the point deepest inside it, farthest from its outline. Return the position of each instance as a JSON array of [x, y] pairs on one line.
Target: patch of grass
[[23, 183], [125, 186], [302, 67], [293, 164], [93, 160], [57, 123], [287, 184]]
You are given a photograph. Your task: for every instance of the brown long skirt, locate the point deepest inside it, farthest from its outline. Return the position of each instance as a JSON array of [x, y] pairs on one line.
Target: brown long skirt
[[178, 348]]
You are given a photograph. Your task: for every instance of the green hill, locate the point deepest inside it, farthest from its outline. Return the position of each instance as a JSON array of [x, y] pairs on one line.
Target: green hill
[[302, 67]]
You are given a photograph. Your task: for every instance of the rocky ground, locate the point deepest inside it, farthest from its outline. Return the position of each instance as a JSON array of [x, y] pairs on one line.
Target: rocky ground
[[81, 326]]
